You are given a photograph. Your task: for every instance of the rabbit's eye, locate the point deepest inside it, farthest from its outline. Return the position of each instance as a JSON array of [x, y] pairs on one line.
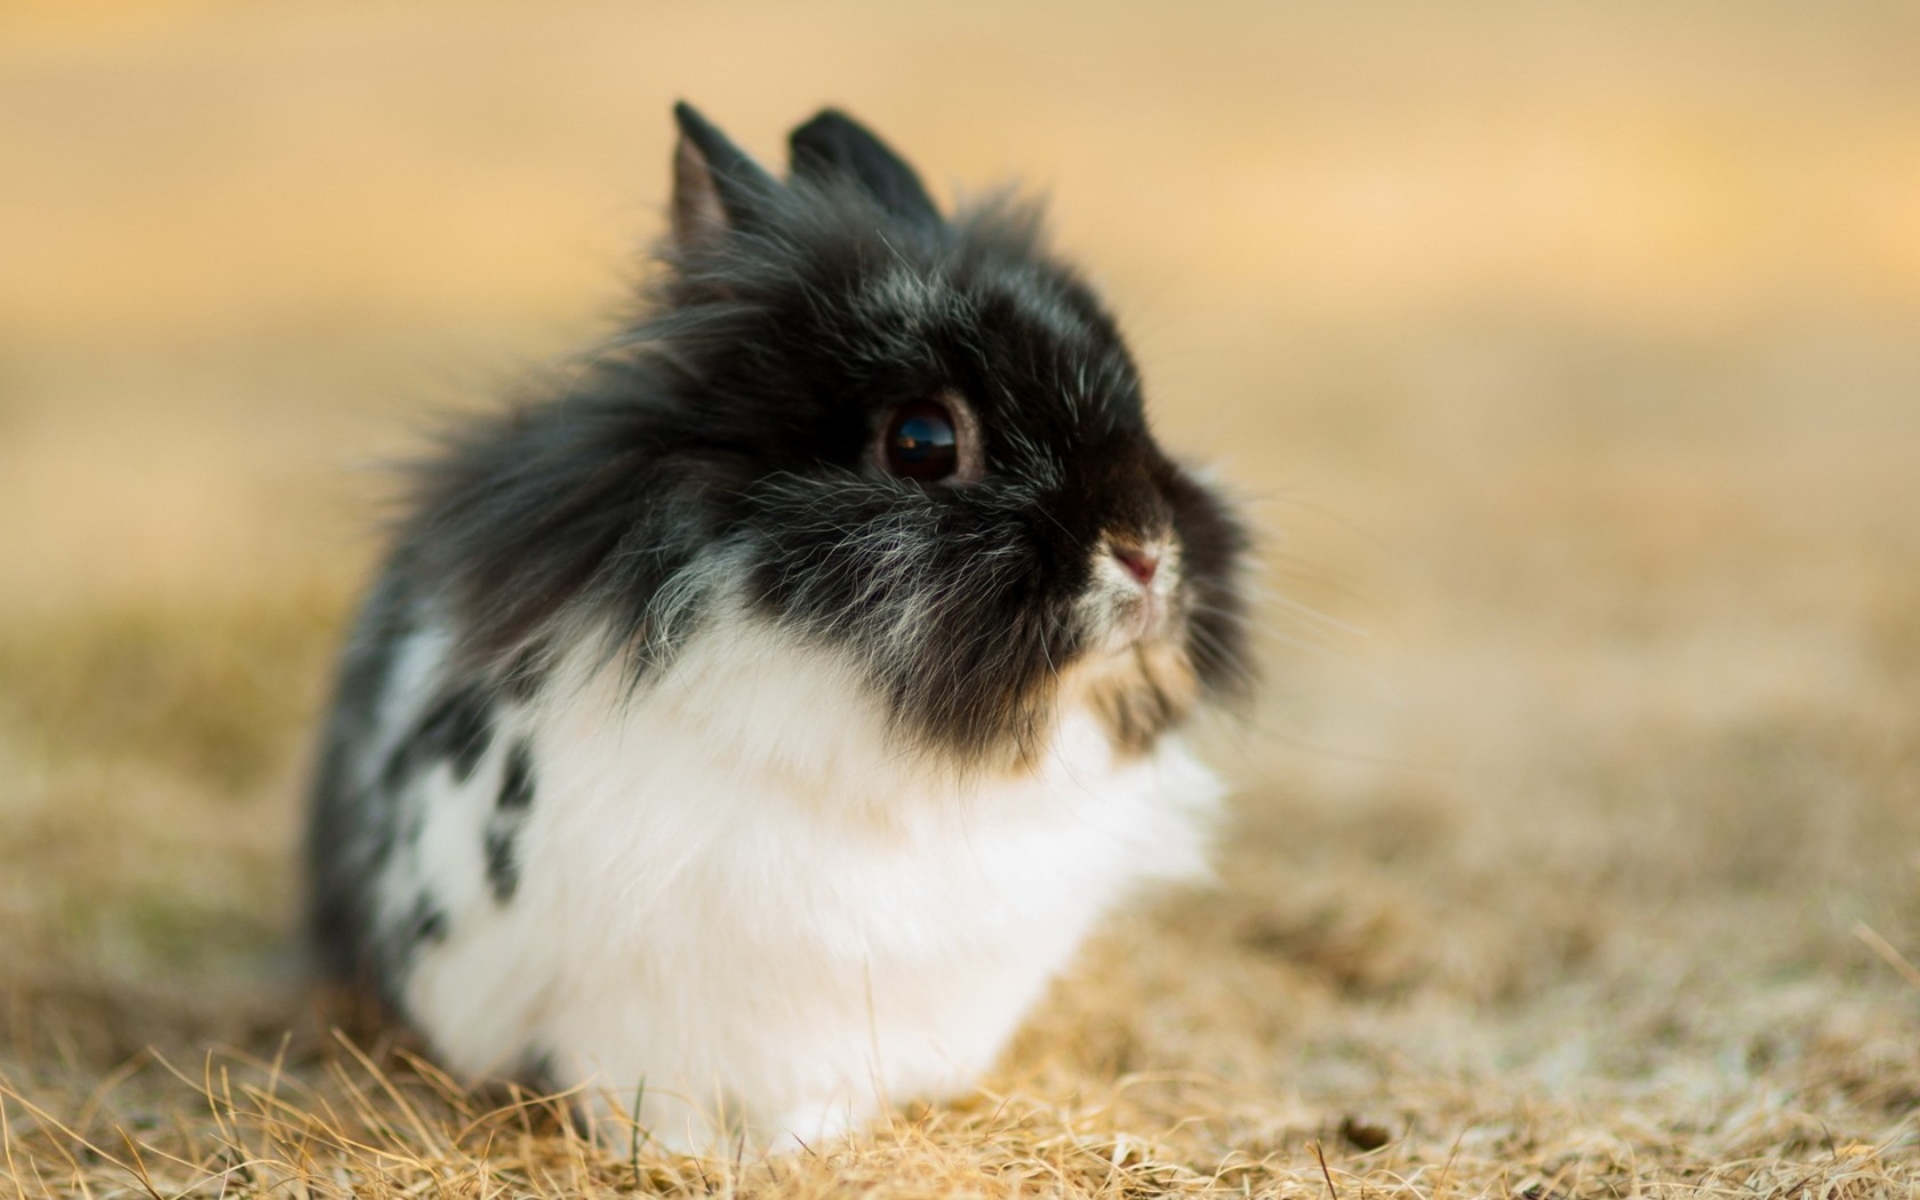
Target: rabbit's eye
[[921, 442]]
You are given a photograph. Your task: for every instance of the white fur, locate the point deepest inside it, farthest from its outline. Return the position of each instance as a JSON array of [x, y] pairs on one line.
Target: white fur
[[740, 898]]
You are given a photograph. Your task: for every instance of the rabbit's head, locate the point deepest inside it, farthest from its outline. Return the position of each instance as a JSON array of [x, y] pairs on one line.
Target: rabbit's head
[[920, 441]]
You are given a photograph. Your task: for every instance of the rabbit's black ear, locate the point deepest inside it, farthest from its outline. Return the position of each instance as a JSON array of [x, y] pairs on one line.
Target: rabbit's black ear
[[716, 186], [834, 145]]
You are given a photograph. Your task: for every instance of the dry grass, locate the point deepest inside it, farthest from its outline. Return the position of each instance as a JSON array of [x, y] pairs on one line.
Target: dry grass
[[1568, 355]]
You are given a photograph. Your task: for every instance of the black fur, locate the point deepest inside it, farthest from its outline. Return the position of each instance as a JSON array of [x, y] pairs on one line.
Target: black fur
[[458, 728], [509, 813], [350, 826], [427, 923], [723, 443]]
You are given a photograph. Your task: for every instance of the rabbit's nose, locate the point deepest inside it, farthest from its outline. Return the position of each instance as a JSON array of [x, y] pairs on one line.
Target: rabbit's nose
[[1139, 563]]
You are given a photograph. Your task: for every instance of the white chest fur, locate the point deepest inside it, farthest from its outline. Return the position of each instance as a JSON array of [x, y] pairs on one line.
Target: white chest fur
[[742, 901]]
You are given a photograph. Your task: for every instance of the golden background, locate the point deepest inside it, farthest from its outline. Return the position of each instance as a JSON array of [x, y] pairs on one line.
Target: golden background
[[1568, 357]]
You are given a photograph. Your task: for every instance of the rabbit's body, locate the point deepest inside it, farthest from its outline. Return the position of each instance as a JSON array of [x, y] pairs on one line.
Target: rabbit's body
[[757, 726], [753, 910]]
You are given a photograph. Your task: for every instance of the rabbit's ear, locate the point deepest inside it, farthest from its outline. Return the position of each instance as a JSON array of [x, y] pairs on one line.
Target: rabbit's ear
[[834, 145], [716, 186]]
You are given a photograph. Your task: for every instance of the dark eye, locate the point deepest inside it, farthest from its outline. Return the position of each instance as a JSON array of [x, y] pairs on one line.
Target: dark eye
[[921, 443]]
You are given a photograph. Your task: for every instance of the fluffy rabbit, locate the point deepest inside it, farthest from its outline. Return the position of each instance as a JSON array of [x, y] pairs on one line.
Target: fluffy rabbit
[[749, 730]]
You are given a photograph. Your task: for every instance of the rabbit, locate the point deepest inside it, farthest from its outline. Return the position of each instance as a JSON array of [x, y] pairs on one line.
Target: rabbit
[[742, 736]]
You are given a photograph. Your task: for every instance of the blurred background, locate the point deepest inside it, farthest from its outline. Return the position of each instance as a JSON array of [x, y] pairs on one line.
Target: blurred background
[[1568, 358]]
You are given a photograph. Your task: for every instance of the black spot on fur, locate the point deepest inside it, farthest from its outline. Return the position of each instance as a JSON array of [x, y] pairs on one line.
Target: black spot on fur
[[503, 828], [426, 924], [458, 728], [503, 873], [516, 783]]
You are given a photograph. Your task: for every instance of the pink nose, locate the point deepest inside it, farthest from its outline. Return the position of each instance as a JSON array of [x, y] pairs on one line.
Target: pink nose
[[1141, 564]]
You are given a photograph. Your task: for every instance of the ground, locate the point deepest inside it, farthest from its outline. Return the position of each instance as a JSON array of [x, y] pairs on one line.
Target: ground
[[1566, 358]]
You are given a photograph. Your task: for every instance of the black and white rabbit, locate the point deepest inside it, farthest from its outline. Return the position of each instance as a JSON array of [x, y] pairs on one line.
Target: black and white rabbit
[[757, 724]]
